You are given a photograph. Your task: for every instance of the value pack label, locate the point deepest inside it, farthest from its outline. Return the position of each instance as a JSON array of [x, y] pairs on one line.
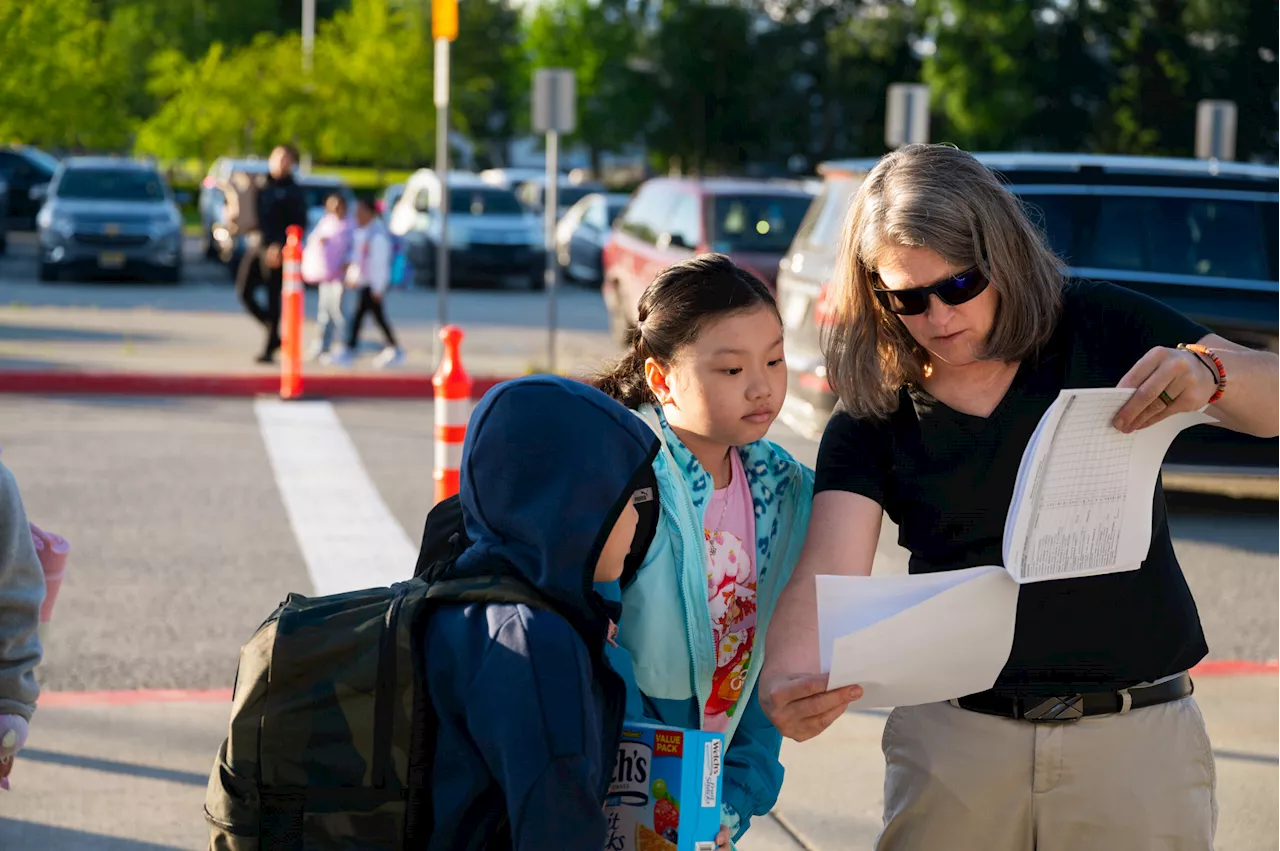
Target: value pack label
[[665, 794]]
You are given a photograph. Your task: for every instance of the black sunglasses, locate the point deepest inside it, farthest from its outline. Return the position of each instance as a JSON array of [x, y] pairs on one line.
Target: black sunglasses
[[954, 291]]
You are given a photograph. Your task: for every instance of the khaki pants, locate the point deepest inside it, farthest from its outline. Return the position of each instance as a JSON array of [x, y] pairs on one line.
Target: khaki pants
[[958, 780]]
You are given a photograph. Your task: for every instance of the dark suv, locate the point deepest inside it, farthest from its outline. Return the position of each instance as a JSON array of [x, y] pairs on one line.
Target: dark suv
[[668, 220], [23, 169], [1197, 235]]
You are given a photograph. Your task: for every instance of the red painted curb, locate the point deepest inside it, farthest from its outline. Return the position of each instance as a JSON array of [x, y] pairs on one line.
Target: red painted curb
[[1234, 667], [132, 697], [158, 384]]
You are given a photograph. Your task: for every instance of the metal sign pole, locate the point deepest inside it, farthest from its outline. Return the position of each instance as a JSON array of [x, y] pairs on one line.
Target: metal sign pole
[[551, 201], [442, 171], [554, 113]]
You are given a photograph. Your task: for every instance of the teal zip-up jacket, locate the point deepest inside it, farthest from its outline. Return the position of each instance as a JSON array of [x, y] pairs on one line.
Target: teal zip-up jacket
[[666, 651]]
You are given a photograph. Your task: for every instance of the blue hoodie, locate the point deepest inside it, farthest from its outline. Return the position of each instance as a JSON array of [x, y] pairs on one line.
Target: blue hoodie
[[530, 712]]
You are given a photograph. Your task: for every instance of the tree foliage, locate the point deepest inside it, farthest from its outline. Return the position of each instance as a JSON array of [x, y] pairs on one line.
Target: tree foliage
[[765, 86]]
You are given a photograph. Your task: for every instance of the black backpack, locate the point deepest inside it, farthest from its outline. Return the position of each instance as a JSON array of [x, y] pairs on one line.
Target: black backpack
[[332, 734]]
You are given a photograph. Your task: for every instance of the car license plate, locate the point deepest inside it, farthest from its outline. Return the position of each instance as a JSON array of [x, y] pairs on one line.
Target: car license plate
[[793, 313], [111, 259]]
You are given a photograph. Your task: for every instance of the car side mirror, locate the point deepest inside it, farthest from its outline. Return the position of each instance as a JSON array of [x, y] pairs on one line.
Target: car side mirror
[[39, 192]]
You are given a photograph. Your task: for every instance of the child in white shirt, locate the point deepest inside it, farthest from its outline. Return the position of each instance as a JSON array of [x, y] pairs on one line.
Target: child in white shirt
[[369, 273]]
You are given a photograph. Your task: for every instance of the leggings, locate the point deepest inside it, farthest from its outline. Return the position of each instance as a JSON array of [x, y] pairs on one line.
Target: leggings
[[369, 304]]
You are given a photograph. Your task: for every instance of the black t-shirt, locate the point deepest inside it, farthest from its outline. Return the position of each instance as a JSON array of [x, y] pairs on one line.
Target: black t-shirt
[[947, 478]]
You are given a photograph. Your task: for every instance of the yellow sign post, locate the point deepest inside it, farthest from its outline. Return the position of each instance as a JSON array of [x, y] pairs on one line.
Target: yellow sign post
[[444, 19]]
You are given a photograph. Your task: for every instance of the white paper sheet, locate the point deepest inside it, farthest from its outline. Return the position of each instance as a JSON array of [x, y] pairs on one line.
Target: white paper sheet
[[916, 639], [1082, 505]]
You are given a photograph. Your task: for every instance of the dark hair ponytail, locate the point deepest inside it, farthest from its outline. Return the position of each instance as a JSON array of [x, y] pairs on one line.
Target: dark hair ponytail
[[672, 311]]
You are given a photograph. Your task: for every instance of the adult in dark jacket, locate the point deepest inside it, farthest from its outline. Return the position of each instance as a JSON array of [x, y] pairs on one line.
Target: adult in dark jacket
[[530, 713], [281, 204]]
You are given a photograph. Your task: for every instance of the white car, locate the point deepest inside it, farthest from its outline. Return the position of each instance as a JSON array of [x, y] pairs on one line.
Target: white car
[[492, 239]]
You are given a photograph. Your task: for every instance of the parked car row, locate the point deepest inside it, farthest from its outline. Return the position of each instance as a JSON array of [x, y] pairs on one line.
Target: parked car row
[[492, 238]]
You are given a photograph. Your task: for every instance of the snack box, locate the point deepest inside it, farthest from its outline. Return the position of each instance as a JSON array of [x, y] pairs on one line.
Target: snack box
[[665, 794]]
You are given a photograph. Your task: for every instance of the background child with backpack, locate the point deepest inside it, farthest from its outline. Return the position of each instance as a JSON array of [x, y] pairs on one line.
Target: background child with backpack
[[324, 264], [706, 371], [369, 273], [22, 591]]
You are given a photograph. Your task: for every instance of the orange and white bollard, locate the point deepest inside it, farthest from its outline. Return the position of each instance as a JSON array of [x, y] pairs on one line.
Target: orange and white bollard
[[291, 308], [453, 409]]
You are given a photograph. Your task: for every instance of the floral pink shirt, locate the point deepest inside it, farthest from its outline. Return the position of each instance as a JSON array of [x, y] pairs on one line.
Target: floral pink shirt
[[729, 528]]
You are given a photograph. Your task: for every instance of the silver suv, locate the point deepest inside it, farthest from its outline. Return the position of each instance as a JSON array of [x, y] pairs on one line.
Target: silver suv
[[103, 214]]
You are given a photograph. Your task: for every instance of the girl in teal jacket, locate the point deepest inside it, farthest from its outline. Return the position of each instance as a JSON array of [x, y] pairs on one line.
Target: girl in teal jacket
[[706, 371]]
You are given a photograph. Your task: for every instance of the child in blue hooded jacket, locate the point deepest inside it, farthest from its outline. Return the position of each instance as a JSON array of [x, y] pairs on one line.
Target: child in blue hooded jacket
[[706, 371], [529, 710]]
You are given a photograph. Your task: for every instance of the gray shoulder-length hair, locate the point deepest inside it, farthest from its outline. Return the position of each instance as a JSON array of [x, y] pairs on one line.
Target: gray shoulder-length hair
[[943, 199]]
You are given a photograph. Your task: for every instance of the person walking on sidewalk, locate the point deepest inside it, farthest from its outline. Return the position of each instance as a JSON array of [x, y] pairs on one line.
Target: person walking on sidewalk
[[954, 330], [281, 203], [370, 275], [324, 263]]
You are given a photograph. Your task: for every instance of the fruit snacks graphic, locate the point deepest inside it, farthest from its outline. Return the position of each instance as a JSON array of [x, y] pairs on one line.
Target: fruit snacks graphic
[[665, 794]]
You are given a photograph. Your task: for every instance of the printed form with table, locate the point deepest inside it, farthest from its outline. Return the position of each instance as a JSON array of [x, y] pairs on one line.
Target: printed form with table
[[1081, 507]]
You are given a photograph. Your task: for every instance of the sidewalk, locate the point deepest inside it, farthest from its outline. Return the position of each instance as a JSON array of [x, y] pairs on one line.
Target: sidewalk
[[99, 777], [198, 331]]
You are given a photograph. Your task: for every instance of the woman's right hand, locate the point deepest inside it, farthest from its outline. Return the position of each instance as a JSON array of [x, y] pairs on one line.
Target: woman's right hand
[[800, 705]]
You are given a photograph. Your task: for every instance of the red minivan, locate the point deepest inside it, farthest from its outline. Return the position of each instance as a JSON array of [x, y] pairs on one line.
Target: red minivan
[[669, 220]]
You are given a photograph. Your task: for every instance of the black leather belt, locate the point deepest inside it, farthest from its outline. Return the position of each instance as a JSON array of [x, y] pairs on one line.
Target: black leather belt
[[1072, 707]]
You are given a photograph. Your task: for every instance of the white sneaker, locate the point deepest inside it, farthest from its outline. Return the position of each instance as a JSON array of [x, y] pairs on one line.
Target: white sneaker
[[390, 356], [316, 353]]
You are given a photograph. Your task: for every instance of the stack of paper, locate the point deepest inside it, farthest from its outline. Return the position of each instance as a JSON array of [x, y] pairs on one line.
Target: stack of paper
[[1081, 507]]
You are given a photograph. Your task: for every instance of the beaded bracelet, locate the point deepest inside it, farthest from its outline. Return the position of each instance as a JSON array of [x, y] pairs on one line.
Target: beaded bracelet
[[1198, 349]]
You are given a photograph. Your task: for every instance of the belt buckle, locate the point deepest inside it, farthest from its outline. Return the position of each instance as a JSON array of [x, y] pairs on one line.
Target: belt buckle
[[1056, 709]]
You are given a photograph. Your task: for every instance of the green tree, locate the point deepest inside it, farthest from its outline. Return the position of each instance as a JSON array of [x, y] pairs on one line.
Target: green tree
[[372, 88], [1152, 101], [594, 38], [488, 70], [66, 75]]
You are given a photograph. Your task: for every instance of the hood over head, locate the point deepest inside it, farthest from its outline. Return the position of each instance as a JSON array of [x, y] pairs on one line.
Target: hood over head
[[547, 467]]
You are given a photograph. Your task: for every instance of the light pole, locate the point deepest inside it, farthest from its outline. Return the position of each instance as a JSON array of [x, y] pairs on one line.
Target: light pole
[[444, 29], [308, 48]]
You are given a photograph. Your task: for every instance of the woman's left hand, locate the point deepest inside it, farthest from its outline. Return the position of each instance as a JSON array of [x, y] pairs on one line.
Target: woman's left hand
[[1178, 373], [724, 841]]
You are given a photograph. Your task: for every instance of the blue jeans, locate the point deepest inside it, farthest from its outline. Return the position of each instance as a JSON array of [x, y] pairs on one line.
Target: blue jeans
[[331, 317]]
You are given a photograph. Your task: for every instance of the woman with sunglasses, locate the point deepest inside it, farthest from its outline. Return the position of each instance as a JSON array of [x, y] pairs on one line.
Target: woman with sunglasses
[[955, 331]]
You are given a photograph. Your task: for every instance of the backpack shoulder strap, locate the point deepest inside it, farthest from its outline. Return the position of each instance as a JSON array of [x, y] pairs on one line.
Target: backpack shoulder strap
[[487, 589]]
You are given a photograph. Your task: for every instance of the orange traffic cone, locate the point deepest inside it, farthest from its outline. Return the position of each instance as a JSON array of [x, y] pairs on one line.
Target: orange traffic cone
[[291, 317], [452, 411]]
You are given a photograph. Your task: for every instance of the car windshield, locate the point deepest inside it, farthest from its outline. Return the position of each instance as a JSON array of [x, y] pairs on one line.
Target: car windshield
[[45, 160], [484, 202], [115, 184], [567, 196], [1211, 237], [755, 222]]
